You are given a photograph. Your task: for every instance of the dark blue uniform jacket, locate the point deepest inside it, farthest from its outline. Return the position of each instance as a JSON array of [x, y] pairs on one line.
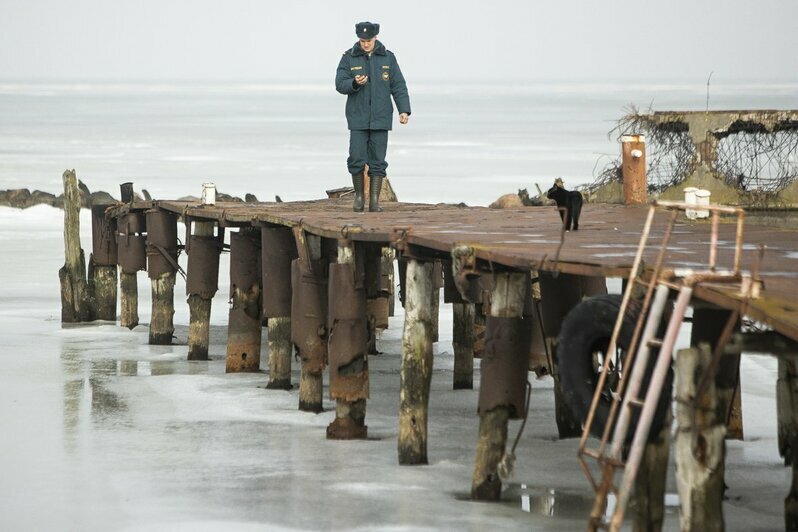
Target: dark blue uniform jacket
[[369, 106]]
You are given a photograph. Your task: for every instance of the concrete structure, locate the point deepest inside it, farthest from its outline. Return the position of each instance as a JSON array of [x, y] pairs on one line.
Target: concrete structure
[[701, 149]]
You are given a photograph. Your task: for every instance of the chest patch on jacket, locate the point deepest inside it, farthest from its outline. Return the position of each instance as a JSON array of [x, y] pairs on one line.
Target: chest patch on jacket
[[385, 75]]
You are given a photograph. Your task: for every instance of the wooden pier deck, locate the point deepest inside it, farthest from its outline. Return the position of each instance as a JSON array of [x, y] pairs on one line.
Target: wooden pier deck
[[529, 238]]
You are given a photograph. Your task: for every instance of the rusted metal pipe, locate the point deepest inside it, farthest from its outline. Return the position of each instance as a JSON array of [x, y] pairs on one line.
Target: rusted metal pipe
[[102, 264], [278, 250], [244, 323], [347, 347], [162, 268], [201, 285], [503, 379]]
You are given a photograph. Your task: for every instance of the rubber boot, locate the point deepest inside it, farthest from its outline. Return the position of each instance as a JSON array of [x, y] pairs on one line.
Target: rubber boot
[[357, 181], [374, 193]]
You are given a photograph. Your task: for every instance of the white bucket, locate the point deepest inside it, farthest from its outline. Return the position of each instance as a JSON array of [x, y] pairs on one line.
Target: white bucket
[[690, 199], [702, 200], [208, 194]]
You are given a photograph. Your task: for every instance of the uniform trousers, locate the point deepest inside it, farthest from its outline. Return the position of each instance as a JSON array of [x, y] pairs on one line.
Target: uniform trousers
[[368, 146]]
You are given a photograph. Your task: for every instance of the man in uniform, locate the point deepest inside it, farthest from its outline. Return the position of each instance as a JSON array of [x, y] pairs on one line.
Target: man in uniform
[[369, 75]]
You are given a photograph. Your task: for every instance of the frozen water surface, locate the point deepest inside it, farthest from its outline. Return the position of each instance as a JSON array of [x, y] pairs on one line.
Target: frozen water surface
[[101, 431]]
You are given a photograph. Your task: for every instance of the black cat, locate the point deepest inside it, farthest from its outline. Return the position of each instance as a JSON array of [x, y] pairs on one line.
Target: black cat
[[569, 203]]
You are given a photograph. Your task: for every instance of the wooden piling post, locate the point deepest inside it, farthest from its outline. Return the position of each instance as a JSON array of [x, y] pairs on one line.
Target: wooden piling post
[[649, 486], [161, 269], [699, 445], [633, 155], [75, 297], [310, 391], [280, 351], [162, 326], [416, 370], [201, 285], [463, 344], [103, 283], [128, 300], [244, 322], [507, 301], [102, 265], [707, 326]]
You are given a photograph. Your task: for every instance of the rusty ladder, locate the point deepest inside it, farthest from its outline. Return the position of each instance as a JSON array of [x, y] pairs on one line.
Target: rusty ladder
[[637, 360]]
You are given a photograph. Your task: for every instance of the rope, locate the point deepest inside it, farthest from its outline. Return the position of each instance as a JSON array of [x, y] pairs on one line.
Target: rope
[[507, 463]]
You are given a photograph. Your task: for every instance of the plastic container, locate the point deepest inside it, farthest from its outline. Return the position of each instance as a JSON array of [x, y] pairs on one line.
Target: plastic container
[[208, 193], [702, 200], [690, 199]]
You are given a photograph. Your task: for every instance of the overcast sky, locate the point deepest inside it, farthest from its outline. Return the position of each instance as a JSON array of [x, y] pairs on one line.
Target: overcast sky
[[435, 41]]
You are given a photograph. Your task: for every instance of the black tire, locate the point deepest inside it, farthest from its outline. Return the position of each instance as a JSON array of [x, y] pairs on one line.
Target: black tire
[[584, 338]]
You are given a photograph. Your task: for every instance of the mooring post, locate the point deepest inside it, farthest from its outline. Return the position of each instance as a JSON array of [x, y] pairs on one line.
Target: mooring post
[[503, 379], [347, 346], [202, 283], [787, 414], [633, 156], [162, 270], [309, 317], [278, 250], [416, 369], [102, 264], [559, 294], [75, 297], [244, 322], [707, 326], [131, 243]]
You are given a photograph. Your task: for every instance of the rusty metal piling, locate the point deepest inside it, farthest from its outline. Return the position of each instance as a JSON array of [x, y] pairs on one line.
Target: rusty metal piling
[[131, 243], [278, 250], [244, 323], [503, 378], [201, 284], [347, 346], [162, 268], [309, 317], [102, 264]]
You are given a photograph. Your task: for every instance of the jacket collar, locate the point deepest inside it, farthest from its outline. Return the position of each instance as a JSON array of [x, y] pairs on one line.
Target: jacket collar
[[379, 49]]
